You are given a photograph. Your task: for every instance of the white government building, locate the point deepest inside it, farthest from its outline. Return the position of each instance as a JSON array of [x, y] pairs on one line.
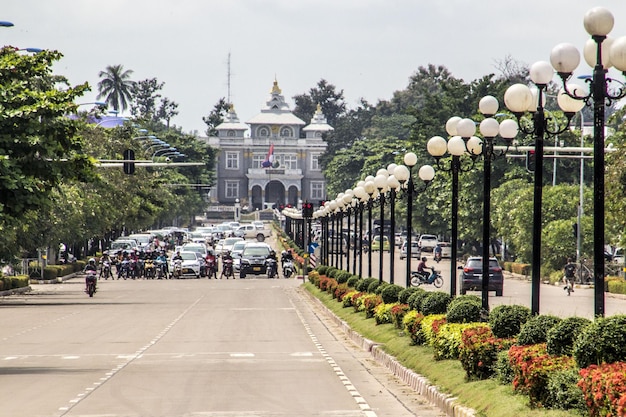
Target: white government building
[[244, 173]]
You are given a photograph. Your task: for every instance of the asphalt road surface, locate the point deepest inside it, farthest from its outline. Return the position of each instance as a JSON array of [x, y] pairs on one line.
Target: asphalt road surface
[[192, 348]]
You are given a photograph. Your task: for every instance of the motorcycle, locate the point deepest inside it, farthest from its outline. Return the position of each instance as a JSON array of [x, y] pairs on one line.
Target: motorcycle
[[227, 269], [105, 270], [124, 269], [160, 269], [288, 268], [178, 268], [149, 270], [211, 268], [91, 283], [437, 257], [434, 278], [272, 267]]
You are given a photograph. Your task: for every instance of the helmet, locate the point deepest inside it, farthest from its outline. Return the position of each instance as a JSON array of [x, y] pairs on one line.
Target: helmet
[[424, 258], [272, 252], [92, 261]]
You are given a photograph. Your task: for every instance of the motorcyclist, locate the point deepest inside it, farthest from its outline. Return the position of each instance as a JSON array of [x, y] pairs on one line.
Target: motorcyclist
[[285, 256], [103, 260], [91, 266], [227, 261], [211, 262], [421, 268], [273, 261], [162, 259], [437, 252], [569, 270]]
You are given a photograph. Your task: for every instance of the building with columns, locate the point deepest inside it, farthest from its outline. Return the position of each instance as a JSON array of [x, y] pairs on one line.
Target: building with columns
[[272, 165]]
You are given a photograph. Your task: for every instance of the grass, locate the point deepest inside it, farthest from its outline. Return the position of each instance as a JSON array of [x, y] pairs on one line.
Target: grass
[[488, 398]]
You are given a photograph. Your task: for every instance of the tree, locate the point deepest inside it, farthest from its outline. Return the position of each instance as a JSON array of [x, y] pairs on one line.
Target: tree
[[40, 146], [324, 94], [216, 116], [167, 110], [116, 87], [145, 95]]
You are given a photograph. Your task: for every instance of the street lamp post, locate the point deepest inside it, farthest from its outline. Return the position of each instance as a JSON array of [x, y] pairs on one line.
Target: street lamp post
[[403, 174], [362, 196], [380, 181], [600, 52], [456, 146], [393, 184], [370, 189], [520, 99], [347, 201]]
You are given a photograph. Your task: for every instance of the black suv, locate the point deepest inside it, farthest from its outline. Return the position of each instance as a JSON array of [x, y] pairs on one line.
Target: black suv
[[472, 276], [253, 259]]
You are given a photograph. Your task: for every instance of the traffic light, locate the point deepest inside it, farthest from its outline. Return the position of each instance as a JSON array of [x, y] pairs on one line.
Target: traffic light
[[575, 229], [129, 167], [530, 161], [307, 209]]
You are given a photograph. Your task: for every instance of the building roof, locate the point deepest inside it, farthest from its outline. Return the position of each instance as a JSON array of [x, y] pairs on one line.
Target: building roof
[[231, 121], [276, 111], [318, 122]]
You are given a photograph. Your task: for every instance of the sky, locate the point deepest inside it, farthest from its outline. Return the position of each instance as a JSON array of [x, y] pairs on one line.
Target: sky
[[367, 48]]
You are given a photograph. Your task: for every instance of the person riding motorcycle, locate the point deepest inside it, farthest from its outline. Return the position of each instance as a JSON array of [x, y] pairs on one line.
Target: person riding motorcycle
[[227, 262], [437, 252], [162, 259], [421, 268], [285, 256], [91, 266], [211, 262], [106, 259], [273, 263]]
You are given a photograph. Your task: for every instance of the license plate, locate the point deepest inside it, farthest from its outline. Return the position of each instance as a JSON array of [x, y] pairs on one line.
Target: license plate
[[256, 268]]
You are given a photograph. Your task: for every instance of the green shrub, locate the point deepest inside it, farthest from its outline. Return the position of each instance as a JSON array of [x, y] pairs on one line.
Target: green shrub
[[502, 368], [560, 339], [365, 283], [332, 272], [564, 393], [535, 330], [506, 320], [436, 302], [347, 300], [381, 287], [464, 310], [51, 272], [603, 341], [342, 276], [412, 322], [431, 325], [352, 281], [415, 300], [322, 269], [448, 340], [617, 286], [373, 285], [404, 295], [390, 293], [382, 313]]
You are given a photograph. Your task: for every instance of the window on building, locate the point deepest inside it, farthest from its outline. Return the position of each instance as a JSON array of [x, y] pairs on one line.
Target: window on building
[[232, 160], [257, 159], [289, 161], [315, 162], [318, 134], [264, 132], [231, 133], [317, 190], [231, 189], [286, 132]]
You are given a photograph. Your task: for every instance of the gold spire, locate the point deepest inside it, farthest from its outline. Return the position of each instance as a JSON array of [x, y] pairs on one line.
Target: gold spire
[[276, 89], [319, 108]]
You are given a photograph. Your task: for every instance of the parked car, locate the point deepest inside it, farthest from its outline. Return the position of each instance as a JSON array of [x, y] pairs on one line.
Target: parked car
[[376, 243], [253, 259], [415, 250], [428, 242], [472, 276]]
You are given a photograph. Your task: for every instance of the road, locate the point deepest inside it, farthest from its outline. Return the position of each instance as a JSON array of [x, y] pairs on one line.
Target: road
[[192, 348], [553, 300]]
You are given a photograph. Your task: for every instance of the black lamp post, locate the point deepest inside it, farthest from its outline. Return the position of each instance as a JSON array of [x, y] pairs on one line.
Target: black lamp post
[[565, 58], [519, 99], [404, 176], [370, 189], [392, 184], [380, 181]]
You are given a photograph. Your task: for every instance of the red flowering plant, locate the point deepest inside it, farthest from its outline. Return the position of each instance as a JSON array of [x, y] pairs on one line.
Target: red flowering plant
[[397, 314], [357, 300], [340, 291], [479, 349], [326, 283], [531, 366], [370, 301], [604, 388], [412, 322], [431, 325]]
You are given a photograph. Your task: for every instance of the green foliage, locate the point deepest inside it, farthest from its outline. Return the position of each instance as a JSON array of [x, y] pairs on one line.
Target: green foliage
[[436, 302], [464, 309], [507, 320], [404, 295], [560, 339], [352, 281], [364, 284], [535, 330], [342, 276], [390, 293], [603, 341], [382, 312], [479, 349], [322, 269], [415, 299], [448, 340], [431, 325], [564, 393], [371, 288], [412, 322], [502, 368]]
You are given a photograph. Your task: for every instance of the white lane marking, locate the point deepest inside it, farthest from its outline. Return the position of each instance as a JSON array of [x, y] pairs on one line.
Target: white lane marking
[[361, 402], [71, 357], [242, 355], [128, 360]]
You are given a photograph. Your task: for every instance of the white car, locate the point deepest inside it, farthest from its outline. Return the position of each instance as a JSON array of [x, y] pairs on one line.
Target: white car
[[428, 242], [236, 253], [190, 264], [226, 244]]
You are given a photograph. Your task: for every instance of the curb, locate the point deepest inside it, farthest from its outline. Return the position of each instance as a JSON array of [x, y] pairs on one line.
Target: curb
[[15, 291], [445, 402]]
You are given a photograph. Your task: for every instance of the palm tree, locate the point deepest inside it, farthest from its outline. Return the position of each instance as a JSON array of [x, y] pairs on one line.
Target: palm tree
[[116, 87]]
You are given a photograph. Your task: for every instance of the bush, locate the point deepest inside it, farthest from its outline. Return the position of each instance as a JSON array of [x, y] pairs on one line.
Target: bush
[[502, 368], [352, 281], [321, 269], [340, 291], [348, 297], [398, 311], [603, 341], [342, 276], [431, 325], [617, 286], [436, 302], [370, 301], [506, 320], [447, 341], [365, 283], [404, 295], [331, 272], [564, 393], [373, 285], [390, 293], [535, 330], [415, 300], [603, 389], [314, 278], [382, 313], [326, 283], [560, 339], [412, 323], [479, 350], [466, 310]]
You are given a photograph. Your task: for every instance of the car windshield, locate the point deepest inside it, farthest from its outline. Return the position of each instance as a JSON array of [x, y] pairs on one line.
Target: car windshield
[[478, 264], [195, 248], [141, 238], [238, 246], [188, 256], [231, 241], [256, 251]]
